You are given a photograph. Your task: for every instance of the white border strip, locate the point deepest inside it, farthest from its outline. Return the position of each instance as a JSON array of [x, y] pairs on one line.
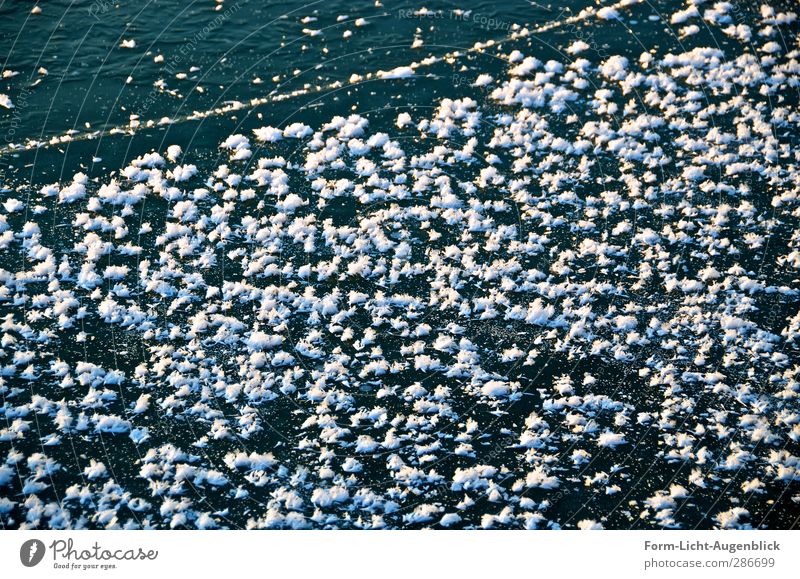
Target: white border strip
[[396, 554]]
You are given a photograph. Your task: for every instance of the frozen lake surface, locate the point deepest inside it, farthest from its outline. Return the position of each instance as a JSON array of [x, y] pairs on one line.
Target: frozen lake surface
[[352, 265]]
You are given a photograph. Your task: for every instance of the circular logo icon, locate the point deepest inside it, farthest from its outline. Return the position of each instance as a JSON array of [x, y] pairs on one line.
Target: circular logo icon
[[31, 553]]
